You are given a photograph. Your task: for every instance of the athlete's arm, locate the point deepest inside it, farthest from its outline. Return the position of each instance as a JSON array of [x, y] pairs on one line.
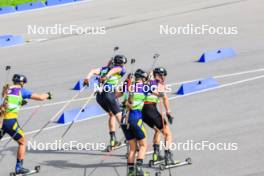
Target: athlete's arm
[[166, 103], [26, 94], [165, 98], [93, 72], [114, 71], [40, 97]]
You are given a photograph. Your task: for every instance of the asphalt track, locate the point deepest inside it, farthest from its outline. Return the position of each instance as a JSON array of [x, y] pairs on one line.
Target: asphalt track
[[231, 113]]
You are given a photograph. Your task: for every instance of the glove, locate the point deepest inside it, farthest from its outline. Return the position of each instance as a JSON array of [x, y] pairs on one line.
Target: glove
[[86, 82], [24, 102], [169, 116], [49, 96]]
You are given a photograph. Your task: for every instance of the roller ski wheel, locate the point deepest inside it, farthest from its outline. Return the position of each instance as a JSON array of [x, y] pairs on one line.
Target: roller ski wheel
[[151, 163], [162, 167], [37, 168], [118, 145], [146, 173], [34, 171], [154, 163], [135, 174], [188, 160], [178, 163], [158, 174], [157, 158]]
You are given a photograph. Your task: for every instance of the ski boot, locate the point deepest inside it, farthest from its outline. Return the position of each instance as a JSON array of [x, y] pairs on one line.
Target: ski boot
[[113, 145], [113, 142], [157, 158], [131, 171], [139, 169], [169, 158], [19, 168]]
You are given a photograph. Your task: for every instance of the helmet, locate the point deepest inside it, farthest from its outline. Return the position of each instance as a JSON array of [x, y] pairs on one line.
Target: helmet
[[119, 59], [17, 78], [141, 74], [160, 71]]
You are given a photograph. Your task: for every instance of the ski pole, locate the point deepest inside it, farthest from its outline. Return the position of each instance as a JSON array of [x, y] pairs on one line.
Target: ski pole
[[8, 69], [77, 115], [116, 48], [57, 114], [5, 86], [155, 60], [132, 62]]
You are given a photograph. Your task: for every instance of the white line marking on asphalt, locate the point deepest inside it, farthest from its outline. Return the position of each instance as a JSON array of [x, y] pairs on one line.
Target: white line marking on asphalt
[[225, 75], [173, 84], [219, 87], [171, 98]]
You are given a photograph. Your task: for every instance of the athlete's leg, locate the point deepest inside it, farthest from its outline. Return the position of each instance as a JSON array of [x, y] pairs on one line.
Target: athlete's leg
[[116, 112], [142, 144], [21, 148], [118, 117], [12, 127], [21, 140], [156, 137], [114, 106], [112, 128], [131, 156], [168, 141], [139, 131], [132, 150], [152, 117], [167, 136], [111, 122], [102, 100]]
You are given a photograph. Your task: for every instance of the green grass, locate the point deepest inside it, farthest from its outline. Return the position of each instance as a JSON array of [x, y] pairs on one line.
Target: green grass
[[4, 3]]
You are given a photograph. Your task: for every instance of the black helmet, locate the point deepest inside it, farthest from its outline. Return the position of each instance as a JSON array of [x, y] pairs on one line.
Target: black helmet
[[160, 71], [119, 59], [141, 74], [17, 78]]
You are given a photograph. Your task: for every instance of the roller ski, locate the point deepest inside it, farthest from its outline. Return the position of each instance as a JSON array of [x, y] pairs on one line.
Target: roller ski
[[138, 171], [24, 172], [170, 163], [115, 145], [135, 174], [157, 159]]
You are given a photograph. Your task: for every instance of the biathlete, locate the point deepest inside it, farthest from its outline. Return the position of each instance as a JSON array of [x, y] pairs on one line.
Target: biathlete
[[110, 77], [14, 97], [135, 132], [153, 118]]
